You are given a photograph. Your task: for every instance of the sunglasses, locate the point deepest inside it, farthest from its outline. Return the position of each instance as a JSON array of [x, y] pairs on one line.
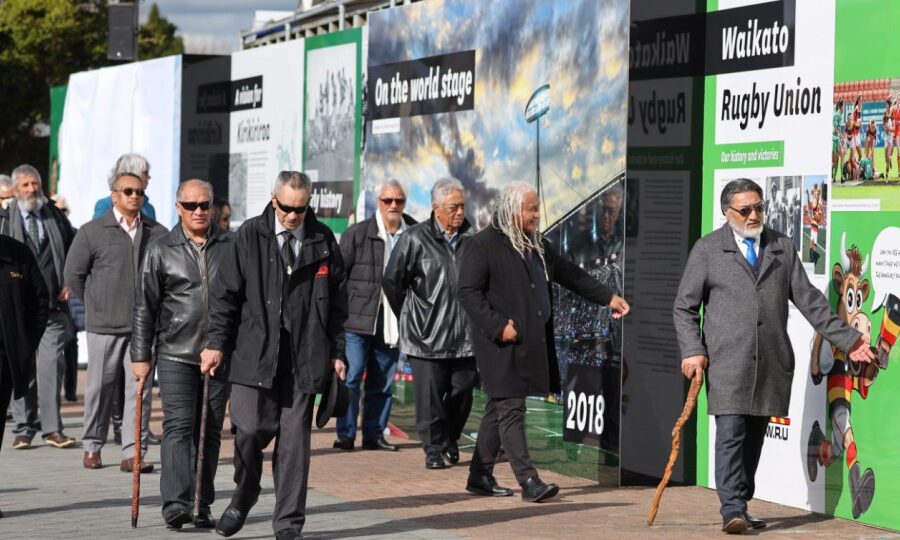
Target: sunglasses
[[746, 210], [128, 192], [291, 209], [389, 201], [191, 206]]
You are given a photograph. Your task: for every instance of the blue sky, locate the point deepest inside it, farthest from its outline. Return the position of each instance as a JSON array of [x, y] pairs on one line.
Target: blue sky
[[215, 20]]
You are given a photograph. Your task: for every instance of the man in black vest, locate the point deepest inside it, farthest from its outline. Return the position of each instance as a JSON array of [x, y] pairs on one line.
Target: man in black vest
[[277, 315], [44, 229]]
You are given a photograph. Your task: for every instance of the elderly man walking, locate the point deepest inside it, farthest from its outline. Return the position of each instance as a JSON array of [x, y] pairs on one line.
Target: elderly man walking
[[420, 285], [23, 316], [102, 269], [46, 230], [504, 286], [371, 328], [278, 317], [742, 276], [172, 312]]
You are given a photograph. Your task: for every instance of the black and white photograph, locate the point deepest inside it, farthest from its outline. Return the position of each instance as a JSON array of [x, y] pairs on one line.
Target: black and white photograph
[[783, 211]]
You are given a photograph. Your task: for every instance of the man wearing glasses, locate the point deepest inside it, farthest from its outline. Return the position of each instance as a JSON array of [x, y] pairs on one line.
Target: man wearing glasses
[[371, 328], [742, 276], [171, 312], [420, 282], [277, 317], [101, 270]]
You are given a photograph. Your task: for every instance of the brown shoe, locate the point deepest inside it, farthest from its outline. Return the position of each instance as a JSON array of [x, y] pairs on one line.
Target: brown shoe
[[125, 466], [22, 442], [58, 439], [92, 460]]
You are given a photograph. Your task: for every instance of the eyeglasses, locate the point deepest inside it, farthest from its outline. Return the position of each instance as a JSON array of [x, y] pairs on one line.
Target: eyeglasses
[[191, 206], [454, 208], [128, 192], [391, 200], [299, 210], [745, 211]]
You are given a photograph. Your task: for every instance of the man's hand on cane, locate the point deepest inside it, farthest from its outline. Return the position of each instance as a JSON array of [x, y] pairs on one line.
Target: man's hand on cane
[[140, 370], [210, 360], [692, 365]]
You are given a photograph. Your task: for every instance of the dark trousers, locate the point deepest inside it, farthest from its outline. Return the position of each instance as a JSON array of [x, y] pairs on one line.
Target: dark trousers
[[260, 415], [739, 442], [443, 389], [503, 424], [6, 390], [182, 399]]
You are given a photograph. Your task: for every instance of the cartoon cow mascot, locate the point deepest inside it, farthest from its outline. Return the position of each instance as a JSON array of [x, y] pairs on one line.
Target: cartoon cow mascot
[[845, 376]]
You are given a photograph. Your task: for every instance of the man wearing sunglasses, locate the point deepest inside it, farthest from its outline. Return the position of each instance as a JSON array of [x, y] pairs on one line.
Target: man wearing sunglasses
[[277, 316], [371, 328], [742, 276], [101, 270], [172, 313]]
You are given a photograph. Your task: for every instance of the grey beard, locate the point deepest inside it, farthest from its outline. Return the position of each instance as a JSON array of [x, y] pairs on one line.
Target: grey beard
[[32, 205], [746, 232]]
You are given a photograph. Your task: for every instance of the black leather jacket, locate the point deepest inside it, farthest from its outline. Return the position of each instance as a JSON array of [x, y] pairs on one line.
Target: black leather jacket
[[420, 283], [171, 305]]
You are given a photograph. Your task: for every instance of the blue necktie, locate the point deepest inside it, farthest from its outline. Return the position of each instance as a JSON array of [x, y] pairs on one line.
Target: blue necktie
[[751, 255]]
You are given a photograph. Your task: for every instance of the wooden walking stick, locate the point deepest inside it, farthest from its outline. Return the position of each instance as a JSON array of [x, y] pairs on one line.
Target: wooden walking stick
[[198, 478], [136, 463], [676, 443]]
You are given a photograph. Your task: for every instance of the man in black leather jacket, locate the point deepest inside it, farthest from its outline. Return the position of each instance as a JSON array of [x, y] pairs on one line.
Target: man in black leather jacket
[[420, 284], [172, 312]]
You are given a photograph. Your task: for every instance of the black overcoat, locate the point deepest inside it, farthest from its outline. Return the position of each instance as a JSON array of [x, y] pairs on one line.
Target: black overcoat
[[23, 310], [496, 284], [246, 305]]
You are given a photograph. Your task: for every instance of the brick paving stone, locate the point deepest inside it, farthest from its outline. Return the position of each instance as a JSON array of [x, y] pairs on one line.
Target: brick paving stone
[[46, 494]]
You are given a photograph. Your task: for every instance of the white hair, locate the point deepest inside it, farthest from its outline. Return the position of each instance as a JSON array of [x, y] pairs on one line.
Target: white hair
[[292, 179], [505, 217], [389, 183], [443, 187], [129, 164]]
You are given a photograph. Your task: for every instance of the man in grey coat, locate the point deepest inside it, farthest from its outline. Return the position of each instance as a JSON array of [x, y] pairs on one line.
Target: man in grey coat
[[742, 275], [102, 269]]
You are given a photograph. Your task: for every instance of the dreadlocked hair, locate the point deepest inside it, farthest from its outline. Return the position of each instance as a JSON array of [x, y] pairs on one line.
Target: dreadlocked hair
[[505, 218]]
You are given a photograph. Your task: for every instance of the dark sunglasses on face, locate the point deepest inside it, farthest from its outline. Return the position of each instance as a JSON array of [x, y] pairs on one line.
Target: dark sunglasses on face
[[128, 192], [745, 211], [389, 201], [299, 210], [191, 206]]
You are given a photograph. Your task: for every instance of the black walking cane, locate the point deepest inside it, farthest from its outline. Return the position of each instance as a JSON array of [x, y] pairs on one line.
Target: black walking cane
[[136, 463], [200, 443]]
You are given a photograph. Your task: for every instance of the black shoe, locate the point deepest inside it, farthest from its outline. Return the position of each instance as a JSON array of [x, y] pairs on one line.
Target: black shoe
[[177, 518], [451, 453], [344, 443], [534, 490], [231, 522], [288, 534], [434, 460], [204, 520], [380, 444], [486, 485], [736, 524], [153, 438], [754, 523]]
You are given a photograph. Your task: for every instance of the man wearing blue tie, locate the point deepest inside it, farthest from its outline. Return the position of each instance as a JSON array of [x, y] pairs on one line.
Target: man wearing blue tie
[[742, 276]]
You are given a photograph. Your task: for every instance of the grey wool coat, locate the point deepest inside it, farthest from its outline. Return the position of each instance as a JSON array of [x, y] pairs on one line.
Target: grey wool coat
[[744, 328]]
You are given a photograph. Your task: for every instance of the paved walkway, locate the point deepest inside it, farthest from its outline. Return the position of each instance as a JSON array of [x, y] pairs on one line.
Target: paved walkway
[[46, 494]]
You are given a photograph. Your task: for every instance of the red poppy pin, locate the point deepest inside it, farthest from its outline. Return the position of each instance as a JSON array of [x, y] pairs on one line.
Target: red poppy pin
[[323, 271]]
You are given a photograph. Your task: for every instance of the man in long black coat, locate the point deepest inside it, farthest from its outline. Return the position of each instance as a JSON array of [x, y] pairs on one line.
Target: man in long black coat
[[23, 317], [504, 286], [277, 316]]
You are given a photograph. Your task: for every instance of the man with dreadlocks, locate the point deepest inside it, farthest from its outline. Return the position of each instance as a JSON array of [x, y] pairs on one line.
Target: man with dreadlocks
[[504, 286]]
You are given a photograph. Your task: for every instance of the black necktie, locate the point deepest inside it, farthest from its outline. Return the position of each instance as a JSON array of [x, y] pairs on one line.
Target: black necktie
[[287, 250]]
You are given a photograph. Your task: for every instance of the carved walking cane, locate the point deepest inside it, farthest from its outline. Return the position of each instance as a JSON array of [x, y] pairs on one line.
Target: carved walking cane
[[696, 383], [136, 463], [198, 478]]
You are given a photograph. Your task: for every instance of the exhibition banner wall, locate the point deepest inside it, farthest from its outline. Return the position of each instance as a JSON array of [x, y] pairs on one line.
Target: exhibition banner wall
[[116, 110], [57, 105], [333, 124], [266, 104]]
